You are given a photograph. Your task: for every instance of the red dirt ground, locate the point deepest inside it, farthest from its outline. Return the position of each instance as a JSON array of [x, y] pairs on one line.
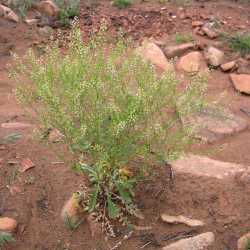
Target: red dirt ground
[[44, 189]]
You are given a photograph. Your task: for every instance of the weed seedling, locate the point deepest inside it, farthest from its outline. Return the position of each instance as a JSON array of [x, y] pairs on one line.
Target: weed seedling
[[122, 3], [240, 43]]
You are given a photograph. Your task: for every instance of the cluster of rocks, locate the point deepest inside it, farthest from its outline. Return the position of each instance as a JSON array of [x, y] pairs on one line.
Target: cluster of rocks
[[211, 123], [46, 16]]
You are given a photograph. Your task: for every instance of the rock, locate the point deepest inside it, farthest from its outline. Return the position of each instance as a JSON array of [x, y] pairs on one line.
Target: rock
[[199, 242], [45, 31], [15, 125], [178, 50], [48, 8], [228, 66], [181, 220], [197, 24], [151, 52], [200, 166], [213, 123], [243, 242], [243, 66], [7, 224], [214, 56], [33, 21], [210, 33], [241, 82], [192, 62], [9, 14], [26, 164], [72, 209]]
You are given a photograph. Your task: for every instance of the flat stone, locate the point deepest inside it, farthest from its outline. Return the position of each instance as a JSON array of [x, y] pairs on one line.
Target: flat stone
[[199, 242], [197, 23], [213, 123], [228, 66], [214, 56], [7, 224], [241, 82], [15, 125], [178, 50], [180, 219], [243, 241], [193, 62], [151, 52], [200, 166]]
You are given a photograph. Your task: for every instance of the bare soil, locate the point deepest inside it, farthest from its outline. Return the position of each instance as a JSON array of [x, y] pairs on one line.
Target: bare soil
[[40, 193]]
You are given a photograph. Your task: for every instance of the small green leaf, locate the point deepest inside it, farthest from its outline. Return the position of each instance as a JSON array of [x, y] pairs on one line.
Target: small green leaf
[[125, 194], [113, 210], [6, 238], [93, 198]]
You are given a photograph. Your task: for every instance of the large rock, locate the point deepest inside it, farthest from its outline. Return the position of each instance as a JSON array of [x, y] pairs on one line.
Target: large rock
[[151, 52], [193, 62], [213, 123], [178, 50], [214, 56], [241, 82], [199, 166], [199, 242], [243, 242], [48, 8], [8, 14], [7, 224]]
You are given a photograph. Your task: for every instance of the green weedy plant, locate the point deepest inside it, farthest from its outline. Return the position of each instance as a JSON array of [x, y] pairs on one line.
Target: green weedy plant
[[21, 6], [5, 238], [240, 43], [122, 3], [68, 10], [113, 111], [248, 245], [183, 38]]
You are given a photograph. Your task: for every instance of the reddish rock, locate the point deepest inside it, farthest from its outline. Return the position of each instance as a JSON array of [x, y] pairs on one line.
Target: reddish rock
[[48, 8], [213, 123], [26, 164], [210, 33], [241, 82], [214, 56], [199, 242], [9, 14], [192, 62], [200, 166], [7, 224], [178, 50], [197, 23], [151, 52], [228, 66]]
